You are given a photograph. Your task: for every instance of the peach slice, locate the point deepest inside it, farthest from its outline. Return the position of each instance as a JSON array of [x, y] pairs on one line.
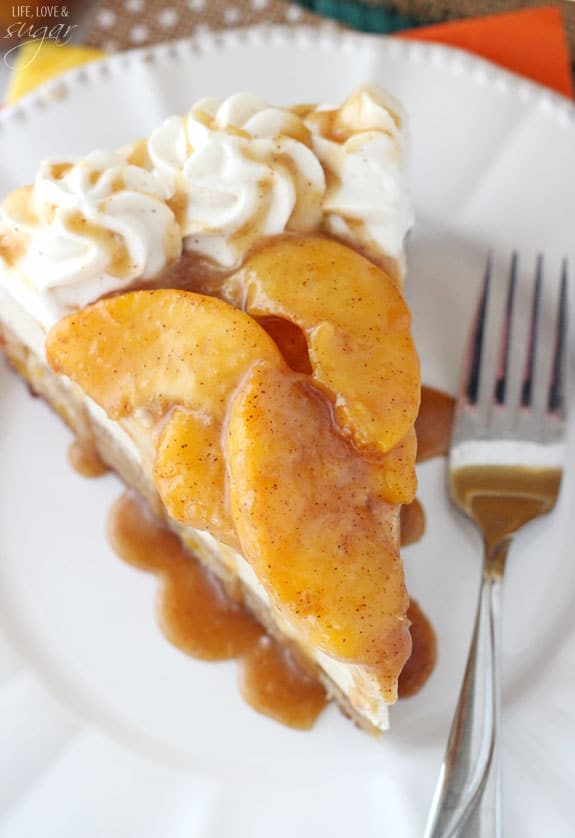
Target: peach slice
[[190, 474], [143, 353], [398, 482], [357, 326], [312, 522], [155, 349]]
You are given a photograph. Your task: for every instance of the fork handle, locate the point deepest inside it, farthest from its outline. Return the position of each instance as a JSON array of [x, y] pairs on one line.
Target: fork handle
[[467, 799]]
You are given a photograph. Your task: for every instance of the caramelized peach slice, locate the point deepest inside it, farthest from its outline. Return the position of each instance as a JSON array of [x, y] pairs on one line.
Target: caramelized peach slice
[[155, 349], [190, 474], [312, 522], [357, 327], [398, 481], [141, 354]]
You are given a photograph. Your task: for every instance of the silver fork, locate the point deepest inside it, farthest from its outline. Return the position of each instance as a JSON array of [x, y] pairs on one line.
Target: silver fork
[[504, 469]]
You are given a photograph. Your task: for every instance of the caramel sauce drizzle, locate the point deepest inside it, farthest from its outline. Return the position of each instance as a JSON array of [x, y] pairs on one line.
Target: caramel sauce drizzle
[[191, 271], [412, 522], [290, 340], [12, 248], [273, 683], [110, 241], [178, 203], [84, 458], [60, 170], [139, 155], [423, 656], [433, 425]]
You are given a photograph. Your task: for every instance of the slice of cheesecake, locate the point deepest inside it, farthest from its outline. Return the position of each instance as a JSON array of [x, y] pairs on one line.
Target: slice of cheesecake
[[218, 309]]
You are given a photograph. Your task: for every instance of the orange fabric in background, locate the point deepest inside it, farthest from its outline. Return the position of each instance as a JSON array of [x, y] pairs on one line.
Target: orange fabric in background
[[530, 42]]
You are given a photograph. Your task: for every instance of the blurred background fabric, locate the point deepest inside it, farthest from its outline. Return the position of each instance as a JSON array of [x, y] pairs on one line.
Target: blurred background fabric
[[526, 37], [121, 24]]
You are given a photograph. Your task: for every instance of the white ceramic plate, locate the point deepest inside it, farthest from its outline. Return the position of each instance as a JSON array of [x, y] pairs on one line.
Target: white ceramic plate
[[112, 731]]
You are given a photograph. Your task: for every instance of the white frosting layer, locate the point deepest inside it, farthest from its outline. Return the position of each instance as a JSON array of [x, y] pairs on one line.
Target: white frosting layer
[[214, 182]]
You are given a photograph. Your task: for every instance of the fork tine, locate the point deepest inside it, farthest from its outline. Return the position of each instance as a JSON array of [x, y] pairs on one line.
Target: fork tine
[[505, 469], [531, 357], [474, 351], [501, 378], [557, 385]]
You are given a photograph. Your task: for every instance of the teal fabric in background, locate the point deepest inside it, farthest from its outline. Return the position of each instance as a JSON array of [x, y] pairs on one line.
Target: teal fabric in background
[[362, 17]]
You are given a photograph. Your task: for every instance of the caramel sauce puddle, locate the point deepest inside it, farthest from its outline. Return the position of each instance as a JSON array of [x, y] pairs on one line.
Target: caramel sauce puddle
[[197, 616], [434, 423], [412, 522], [84, 458], [421, 663]]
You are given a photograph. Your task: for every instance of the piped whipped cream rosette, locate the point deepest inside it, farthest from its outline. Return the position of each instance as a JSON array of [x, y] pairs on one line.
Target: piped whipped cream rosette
[[245, 171], [84, 229], [361, 147], [214, 182]]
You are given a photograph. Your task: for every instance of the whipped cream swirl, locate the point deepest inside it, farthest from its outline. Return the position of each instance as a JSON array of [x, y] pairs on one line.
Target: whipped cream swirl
[[214, 182], [246, 170], [87, 228], [361, 146]]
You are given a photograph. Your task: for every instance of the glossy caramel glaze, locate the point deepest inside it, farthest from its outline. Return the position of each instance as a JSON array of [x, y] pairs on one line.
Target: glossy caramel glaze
[[290, 340], [191, 272], [193, 610], [412, 522], [423, 653], [433, 424], [272, 683], [84, 458], [120, 261], [197, 616]]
